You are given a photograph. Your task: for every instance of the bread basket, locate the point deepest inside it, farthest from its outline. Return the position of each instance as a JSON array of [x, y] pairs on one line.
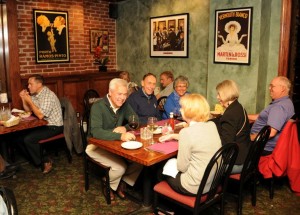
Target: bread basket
[[11, 122]]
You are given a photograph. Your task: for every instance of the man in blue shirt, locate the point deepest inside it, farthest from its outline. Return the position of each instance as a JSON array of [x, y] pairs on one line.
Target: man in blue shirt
[[279, 111], [143, 101]]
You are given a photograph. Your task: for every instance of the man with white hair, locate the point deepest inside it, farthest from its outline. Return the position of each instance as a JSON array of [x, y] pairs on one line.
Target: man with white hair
[[279, 111], [106, 122]]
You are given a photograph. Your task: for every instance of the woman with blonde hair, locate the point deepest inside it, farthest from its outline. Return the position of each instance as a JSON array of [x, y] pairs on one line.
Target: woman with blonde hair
[[197, 143], [233, 125]]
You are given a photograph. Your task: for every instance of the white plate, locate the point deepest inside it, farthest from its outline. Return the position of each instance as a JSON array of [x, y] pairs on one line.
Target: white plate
[[158, 130], [131, 145]]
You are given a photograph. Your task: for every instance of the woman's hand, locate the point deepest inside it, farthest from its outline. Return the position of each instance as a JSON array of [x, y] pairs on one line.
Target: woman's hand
[[168, 137]]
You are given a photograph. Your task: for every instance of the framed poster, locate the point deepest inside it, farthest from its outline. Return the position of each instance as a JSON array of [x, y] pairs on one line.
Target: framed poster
[[51, 34], [169, 36], [233, 36], [99, 38]]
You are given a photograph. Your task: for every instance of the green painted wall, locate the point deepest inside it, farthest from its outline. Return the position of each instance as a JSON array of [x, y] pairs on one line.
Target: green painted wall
[[133, 41]]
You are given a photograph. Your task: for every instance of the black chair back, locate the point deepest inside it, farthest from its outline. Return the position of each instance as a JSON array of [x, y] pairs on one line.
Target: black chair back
[[255, 151], [221, 166], [88, 99], [161, 103], [9, 200]]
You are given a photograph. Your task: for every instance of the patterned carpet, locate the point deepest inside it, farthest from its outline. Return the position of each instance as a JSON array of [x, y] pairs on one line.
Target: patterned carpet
[[62, 192]]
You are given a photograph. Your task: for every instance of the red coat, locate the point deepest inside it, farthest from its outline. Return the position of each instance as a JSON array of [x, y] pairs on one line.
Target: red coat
[[285, 159]]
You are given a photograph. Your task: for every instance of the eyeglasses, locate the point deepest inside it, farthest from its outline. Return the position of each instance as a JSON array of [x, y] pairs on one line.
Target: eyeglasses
[[181, 86], [271, 86]]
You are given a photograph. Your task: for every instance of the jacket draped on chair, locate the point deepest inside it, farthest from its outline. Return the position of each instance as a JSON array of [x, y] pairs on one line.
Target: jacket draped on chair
[[71, 128], [285, 159]]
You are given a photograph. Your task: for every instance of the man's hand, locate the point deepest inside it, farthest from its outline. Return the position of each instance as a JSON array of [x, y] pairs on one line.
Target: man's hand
[[127, 136], [120, 129], [23, 93]]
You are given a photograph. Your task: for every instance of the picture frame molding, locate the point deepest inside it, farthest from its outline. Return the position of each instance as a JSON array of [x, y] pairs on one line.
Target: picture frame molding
[[103, 41], [231, 48], [168, 47], [51, 35]]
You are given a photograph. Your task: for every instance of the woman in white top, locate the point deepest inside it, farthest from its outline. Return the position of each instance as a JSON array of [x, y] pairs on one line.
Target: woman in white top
[[197, 143]]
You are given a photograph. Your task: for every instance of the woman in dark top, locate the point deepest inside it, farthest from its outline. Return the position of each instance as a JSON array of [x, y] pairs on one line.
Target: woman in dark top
[[233, 125]]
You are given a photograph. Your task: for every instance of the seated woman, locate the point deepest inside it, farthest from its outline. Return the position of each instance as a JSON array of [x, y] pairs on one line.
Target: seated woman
[[132, 87], [233, 125], [181, 84], [197, 144]]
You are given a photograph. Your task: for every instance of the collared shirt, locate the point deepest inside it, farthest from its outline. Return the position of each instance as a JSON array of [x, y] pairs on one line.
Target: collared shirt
[[276, 115], [111, 105], [49, 105]]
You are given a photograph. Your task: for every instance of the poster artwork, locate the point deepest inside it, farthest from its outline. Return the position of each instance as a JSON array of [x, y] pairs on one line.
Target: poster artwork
[[233, 33], [51, 36]]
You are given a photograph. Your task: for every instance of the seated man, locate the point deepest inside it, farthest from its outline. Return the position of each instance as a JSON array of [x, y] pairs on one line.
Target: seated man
[[280, 110], [166, 81], [106, 122], [45, 105], [143, 101]]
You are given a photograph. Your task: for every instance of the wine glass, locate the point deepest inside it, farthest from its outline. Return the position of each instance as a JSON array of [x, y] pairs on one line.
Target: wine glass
[[152, 126], [133, 122]]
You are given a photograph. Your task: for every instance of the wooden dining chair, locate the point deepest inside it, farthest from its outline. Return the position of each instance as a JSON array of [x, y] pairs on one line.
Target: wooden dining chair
[[220, 165], [87, 160], [88, 99], [58, 137], [250, 168]]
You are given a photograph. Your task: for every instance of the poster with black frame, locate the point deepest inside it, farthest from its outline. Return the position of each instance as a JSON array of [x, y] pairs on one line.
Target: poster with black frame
[[169, 36], [51, 33], [233, 36]]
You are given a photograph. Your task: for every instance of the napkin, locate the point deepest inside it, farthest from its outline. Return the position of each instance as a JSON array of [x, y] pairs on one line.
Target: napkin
[[15, 110], [170, 168], [12, 118], [165, 148]]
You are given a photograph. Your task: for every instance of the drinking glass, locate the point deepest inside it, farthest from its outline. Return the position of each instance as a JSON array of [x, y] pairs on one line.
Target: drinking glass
[[133, 122], [152, 126], [176, 114]]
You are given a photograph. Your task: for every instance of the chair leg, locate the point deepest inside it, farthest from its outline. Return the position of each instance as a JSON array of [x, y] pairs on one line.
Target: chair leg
[[222, 205], [107, 187], [86, 174], [253, 197], [271, 191], [240, 199]]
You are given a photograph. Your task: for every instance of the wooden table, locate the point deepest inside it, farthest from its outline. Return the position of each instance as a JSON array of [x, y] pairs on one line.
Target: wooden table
[[24, 124], [142, 156]]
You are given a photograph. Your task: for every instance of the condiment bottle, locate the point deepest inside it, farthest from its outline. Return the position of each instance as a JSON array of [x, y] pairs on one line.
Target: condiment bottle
[[171, 121]]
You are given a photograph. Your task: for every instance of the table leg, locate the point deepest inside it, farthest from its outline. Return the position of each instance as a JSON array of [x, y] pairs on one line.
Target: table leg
[[147, 194]]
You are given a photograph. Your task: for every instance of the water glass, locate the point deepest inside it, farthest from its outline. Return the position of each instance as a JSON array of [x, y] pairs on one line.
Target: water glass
[[146, 134], [5, 114]]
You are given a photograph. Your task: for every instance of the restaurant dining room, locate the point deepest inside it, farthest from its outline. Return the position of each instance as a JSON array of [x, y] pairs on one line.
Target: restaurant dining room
[[149, 107]]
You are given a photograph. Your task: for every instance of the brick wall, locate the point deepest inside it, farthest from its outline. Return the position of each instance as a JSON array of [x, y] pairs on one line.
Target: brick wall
[[83, 15]]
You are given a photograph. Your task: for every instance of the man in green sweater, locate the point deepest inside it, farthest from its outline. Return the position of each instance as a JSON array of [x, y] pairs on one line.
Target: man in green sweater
[[107, 119]]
